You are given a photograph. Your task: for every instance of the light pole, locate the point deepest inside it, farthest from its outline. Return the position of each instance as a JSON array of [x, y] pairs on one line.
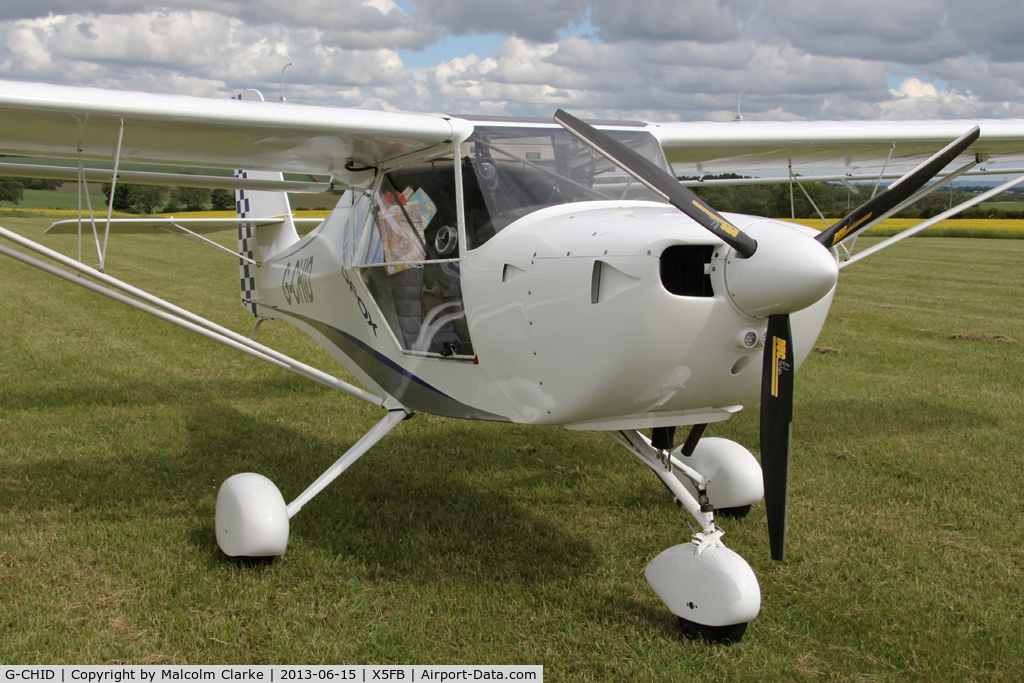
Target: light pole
[[739, 117], [282, 82]]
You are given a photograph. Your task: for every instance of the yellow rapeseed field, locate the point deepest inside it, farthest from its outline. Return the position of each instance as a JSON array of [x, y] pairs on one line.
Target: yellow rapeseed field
[[989, 227]]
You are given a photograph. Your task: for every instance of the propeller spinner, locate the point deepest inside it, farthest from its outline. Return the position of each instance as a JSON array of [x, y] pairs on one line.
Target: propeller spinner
[[778, 273]]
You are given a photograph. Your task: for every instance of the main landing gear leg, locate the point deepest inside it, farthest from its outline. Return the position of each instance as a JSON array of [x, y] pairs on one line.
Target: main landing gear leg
[[709, 587], [252, 518]]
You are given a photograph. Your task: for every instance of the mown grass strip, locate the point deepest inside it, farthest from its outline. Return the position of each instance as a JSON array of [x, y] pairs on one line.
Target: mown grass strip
[[465, 542]]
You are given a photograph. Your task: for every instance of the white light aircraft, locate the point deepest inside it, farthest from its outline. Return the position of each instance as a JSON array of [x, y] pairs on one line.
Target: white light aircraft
[[530, 271]]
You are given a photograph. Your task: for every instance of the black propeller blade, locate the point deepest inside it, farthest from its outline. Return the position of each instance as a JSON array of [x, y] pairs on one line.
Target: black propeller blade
[[897, 192], [659, 181], [777, 428]]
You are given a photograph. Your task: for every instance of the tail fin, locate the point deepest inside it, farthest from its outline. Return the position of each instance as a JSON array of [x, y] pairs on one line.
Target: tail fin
[[257, 243]]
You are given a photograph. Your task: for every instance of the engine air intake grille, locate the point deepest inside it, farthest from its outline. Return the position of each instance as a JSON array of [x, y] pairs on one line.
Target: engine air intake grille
[[686, 269]]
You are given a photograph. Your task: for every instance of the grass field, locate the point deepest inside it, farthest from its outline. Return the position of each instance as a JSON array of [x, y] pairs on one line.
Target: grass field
[[51, 199], [463, 542]]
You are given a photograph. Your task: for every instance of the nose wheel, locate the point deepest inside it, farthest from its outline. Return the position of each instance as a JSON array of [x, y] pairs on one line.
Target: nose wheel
[[724, 635]]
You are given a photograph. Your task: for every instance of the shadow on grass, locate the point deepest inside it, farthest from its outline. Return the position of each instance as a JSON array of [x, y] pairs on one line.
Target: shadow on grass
[[122, 390], [403, 511]]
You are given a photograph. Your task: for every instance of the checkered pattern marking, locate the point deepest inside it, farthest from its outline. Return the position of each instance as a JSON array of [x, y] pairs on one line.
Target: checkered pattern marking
[[246, 247]]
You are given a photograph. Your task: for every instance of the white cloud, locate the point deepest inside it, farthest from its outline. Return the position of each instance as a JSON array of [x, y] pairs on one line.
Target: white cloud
[[360, 24], [674, 80], [915, 88], [915, 99], [661, 59], [201, 53]]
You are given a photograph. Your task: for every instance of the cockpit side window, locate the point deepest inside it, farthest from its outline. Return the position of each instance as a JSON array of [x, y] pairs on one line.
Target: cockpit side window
[[519, 170], [414, 276]]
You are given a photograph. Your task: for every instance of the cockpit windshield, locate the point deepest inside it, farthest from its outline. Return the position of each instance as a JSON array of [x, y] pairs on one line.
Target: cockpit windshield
[[403, 236], [518, 170]]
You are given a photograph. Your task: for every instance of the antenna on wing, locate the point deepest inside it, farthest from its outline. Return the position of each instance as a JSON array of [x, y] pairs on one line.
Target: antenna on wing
[[282, 82]]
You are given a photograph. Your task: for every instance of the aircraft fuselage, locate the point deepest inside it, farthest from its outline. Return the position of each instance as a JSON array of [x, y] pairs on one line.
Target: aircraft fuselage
[[591, 311]]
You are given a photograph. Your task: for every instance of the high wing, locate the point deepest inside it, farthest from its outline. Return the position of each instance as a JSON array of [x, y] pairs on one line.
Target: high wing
[[54, 121], [747, 147]]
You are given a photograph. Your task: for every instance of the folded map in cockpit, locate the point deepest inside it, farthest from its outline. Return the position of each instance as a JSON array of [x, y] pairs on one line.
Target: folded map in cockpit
[[402, 220]]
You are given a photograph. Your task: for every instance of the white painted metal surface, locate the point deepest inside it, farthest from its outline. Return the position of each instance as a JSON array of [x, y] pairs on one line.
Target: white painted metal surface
[[42, 120], [713, 586], [789, 271], [749, 146]]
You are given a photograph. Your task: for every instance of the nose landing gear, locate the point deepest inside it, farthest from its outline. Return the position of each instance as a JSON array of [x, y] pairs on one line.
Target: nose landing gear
[[710, 588]]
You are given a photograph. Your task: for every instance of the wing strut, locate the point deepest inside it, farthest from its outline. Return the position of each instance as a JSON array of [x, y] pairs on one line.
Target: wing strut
[[110, 200], [179, 316], [847, 245], [932, 221], [378, 432], [202, 241]]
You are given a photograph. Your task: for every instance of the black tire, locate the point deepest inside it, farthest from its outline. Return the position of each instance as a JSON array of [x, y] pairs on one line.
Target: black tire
[[723, 635], [734, 513], [251, 562]]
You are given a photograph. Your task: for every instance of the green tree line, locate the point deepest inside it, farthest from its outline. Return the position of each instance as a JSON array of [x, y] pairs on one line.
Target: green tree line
[[13, 189], [143, 199], [147, 199], [834, 200]]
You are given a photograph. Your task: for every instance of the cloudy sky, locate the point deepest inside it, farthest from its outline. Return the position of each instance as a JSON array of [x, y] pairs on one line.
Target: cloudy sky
[[651, 59]]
